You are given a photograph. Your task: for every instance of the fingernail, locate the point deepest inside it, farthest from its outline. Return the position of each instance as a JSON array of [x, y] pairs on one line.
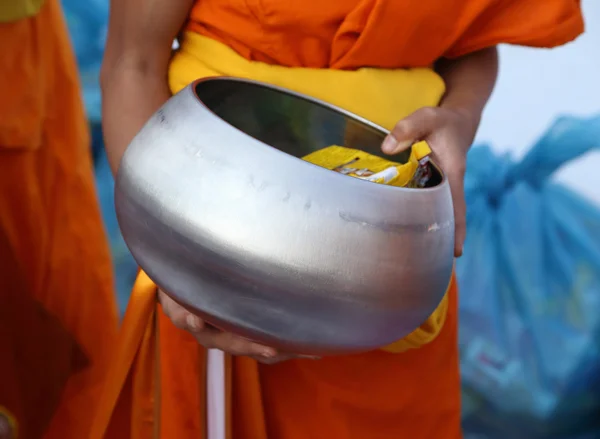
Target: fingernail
[[267, 354], [392, 146], [389, 144], [263, 351], [192, 322]]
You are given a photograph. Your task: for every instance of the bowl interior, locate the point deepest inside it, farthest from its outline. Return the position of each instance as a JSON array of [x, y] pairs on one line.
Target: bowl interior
[[289, 122]]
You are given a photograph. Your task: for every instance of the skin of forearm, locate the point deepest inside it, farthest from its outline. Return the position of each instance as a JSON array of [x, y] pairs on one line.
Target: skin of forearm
[[134, 69], [470, 81], [129, 98]]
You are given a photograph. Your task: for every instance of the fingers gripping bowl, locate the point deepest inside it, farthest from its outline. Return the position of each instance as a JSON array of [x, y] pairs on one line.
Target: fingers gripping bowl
[[219, 210]]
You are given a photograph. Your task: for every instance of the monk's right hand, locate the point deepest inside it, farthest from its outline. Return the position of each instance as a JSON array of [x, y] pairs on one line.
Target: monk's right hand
[[212, 338]]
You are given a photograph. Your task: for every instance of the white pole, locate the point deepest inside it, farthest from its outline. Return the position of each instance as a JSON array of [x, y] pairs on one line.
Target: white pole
[[215, 394]]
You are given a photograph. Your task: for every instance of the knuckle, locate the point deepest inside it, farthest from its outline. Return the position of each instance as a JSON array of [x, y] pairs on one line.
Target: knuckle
[[428, 112], [179, 320], [400, 128], [239, 347], [269, 360], [264, 360], [175, 312], [205, 340], [177, 317]]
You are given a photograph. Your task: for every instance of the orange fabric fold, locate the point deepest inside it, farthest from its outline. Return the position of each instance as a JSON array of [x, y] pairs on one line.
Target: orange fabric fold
[[350, 34], [31, 336], [58, 315], [534, 23], [375, 395], [182, 383], [130, 384], [156, 387]]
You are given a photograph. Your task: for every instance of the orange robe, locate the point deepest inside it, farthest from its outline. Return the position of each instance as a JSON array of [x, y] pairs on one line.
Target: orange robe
[[157, 387], [58, 316]]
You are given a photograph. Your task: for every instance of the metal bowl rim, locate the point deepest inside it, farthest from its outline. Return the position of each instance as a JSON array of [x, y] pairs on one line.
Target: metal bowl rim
[[319, 102]]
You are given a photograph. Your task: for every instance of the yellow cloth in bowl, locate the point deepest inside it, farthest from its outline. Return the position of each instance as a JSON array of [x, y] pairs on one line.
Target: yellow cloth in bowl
[[365, 166]]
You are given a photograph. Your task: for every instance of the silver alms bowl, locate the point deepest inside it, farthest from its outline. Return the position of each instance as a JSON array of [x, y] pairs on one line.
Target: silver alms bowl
[[217, 207]]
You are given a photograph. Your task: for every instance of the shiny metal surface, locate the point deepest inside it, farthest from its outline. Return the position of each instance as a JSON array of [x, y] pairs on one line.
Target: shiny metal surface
[[219, 211]]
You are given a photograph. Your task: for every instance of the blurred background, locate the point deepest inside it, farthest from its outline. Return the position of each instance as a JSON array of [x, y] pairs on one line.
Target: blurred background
[[530, 277]]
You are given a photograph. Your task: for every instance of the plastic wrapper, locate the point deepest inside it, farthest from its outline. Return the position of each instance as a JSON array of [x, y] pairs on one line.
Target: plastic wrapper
[[359, 164], [530, 292]]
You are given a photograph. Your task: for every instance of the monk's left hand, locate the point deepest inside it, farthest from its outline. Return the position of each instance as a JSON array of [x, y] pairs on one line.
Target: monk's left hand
[[213, 338], [449, 132]]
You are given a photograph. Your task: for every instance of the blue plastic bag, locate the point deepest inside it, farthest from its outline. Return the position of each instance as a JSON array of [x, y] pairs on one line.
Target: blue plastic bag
[[87, 22], [530, 289]]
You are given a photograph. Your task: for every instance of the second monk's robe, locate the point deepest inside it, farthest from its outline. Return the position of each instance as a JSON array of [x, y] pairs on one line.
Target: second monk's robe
[[58, 315]]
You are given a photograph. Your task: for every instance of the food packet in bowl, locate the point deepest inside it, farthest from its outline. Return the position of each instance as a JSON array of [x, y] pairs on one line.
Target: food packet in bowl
[[359, 164]]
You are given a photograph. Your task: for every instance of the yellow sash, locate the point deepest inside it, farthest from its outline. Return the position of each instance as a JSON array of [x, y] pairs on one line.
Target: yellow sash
[[381, 96]]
